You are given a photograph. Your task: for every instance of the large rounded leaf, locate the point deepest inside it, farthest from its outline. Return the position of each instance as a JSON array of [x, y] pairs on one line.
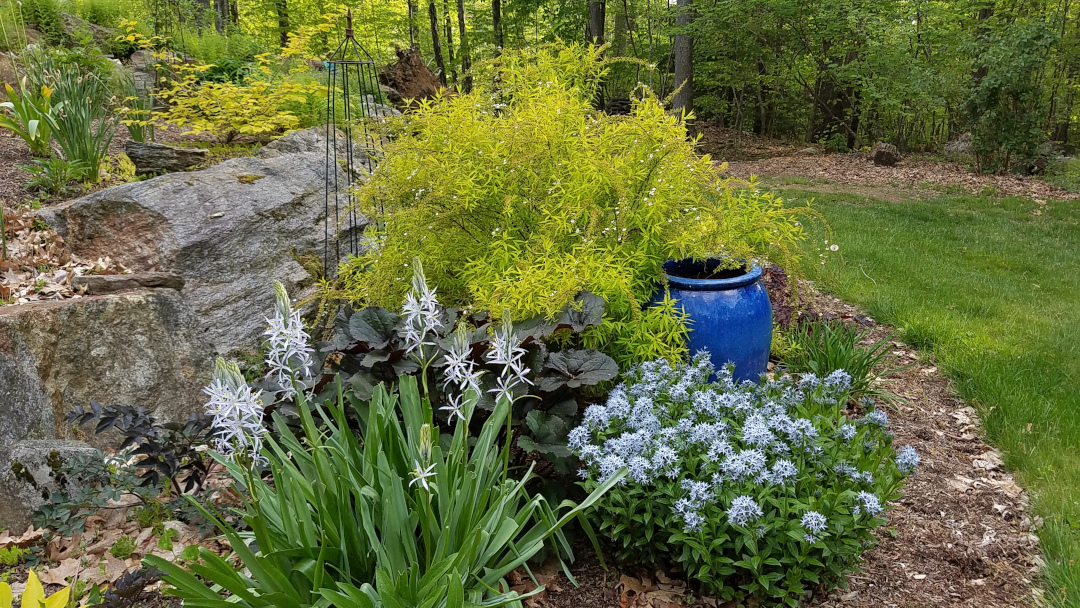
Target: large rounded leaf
[[574, 368]]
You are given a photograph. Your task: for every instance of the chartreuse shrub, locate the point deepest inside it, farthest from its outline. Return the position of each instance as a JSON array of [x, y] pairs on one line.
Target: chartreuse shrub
[[519, 196], [394, 515], [254, 103], [757, 491]]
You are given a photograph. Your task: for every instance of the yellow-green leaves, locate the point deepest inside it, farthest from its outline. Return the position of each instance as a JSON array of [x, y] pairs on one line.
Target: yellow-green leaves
[[34, 595], [520, 195]]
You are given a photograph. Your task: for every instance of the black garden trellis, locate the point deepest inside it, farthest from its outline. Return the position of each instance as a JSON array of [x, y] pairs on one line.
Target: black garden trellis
[[352, 95]]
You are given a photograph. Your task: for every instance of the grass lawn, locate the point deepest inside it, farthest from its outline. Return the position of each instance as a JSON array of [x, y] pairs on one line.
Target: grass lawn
[[991, 287]]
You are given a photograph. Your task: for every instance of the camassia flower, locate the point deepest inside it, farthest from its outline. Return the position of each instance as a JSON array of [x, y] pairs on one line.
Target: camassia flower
[[289, 356], [506, 351], [421, 475], [460, 369], [421, 311], [237, 411]]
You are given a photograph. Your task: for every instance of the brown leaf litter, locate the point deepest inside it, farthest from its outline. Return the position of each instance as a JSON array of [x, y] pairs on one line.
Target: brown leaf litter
[[918, 175], [38, 266]]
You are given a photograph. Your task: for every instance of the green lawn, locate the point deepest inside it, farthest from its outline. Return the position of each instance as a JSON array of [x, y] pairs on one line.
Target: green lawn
[[993, 291]]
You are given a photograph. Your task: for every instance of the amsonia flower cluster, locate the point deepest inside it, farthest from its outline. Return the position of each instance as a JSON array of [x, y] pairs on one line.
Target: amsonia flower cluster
[[778, 466]]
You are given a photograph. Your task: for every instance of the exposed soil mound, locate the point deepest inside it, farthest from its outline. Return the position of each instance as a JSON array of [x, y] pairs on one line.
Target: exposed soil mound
[[410, 76]]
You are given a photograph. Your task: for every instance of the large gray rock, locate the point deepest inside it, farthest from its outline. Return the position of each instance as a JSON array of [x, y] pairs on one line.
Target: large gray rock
[[961, 146], [229, 230], [135, 349], [27, 477], [884, 154], [151, 157]]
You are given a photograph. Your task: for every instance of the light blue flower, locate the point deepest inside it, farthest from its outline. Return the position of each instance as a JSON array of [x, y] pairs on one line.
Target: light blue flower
[[744, 511], [809, 382], [609, 465], [665, 460], [838, 381], [756, 431], [718, 450], [596, 417], [814, 523], [847, 431], [870, 503], [578, 438], [782, 472], [907, 459], [640, 470], [744, 465], [877, 417]]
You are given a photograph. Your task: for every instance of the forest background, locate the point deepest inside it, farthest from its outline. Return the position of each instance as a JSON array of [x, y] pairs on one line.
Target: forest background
[[841, 73]]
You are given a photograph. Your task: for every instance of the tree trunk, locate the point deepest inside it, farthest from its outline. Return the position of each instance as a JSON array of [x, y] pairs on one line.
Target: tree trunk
[[496, 23], [414, 30], [436, 48], [221, 15], [449, 29], [684, 58], [597, 16], [466, 62], [282, 8]]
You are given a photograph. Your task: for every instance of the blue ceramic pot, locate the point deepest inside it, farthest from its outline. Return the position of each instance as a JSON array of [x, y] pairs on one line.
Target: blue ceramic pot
[[730, 314]]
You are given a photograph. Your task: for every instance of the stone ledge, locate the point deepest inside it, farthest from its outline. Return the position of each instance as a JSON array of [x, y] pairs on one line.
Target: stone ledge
[[101, 284]]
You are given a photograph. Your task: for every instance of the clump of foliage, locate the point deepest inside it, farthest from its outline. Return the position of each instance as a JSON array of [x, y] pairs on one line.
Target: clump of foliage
[[24, 115], [157, 461], [123, 547], [413, 518], [375, 345], [1002, 104], [822, 347], [124, 591], [34, 594], [12, 556], [254, 102], [519, 196], [45, 14], [53, 175], [83, 121], [757, 491]]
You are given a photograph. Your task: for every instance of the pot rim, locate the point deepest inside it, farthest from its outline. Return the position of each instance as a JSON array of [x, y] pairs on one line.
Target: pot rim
[[751, 276]]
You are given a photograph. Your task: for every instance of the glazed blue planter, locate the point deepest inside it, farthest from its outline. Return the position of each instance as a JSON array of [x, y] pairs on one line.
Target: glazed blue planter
[[730, 314]]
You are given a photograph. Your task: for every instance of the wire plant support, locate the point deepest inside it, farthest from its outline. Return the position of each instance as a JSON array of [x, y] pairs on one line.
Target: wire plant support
[[352, 98]]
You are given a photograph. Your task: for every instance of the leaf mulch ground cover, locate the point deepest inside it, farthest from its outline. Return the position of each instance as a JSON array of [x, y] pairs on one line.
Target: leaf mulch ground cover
[[920, 176]]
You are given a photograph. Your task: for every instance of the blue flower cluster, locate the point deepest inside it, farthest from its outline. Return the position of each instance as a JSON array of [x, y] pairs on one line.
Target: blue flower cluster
[[669, 424]]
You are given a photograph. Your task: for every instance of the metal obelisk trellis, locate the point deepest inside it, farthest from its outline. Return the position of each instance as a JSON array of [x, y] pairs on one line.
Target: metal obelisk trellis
[[352, 95]]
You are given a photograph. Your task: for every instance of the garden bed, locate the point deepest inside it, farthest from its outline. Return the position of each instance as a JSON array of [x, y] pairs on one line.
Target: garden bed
[[961, 535]]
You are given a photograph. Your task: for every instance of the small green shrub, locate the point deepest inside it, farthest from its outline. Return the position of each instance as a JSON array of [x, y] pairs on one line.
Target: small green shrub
[[758, 492], [123, 547], [12, 556], [106, 13], [821, 347], [53, 176], [519, 196], [45, 14]]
